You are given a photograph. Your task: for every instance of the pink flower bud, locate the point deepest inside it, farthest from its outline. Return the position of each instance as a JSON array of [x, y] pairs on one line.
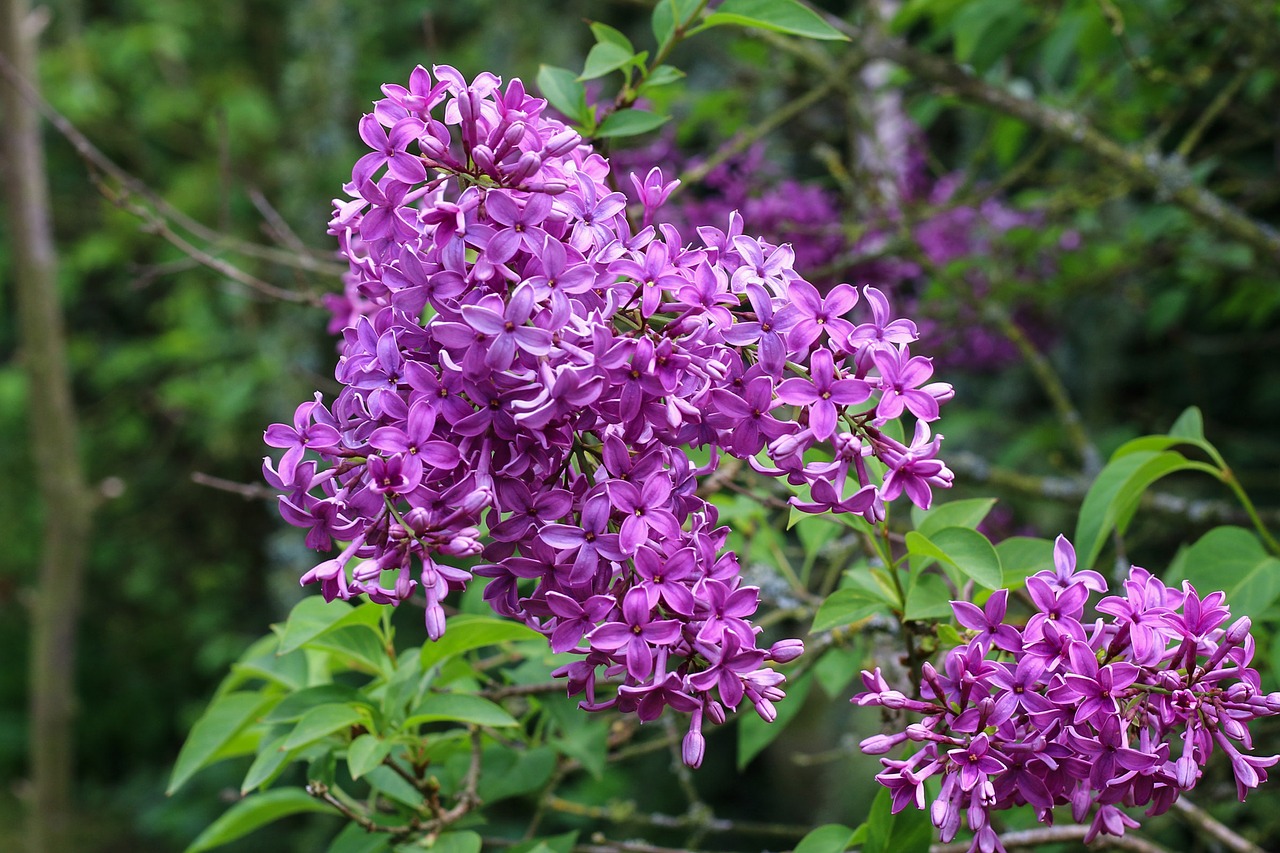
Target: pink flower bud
[[693, 748], [785, 651], [1238, 631], [1187, 772]]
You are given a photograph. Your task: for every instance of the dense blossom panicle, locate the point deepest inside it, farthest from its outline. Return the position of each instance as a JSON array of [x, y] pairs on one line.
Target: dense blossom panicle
[[519, 356], [1125, 713]]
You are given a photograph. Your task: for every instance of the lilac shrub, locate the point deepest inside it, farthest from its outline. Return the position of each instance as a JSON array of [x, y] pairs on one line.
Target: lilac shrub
[[527, 373], [1057, 712]]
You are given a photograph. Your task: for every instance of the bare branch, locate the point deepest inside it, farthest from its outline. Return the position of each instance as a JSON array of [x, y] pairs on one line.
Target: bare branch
[[130, 186], [248, 491], [1034, 838], [1206, 823], [1167, 176]]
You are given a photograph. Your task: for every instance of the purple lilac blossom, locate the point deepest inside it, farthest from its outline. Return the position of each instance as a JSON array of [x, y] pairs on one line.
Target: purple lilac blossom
[[525, 358], [1126, 713]]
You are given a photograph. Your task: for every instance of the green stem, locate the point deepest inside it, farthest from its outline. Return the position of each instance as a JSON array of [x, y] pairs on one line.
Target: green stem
[[1228, 476]]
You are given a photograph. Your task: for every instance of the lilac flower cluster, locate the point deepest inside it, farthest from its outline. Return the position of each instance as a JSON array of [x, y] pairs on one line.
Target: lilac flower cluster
[[1125, 712], [519, 394]]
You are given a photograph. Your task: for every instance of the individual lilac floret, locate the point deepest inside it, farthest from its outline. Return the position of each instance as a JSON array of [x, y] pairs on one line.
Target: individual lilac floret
[[1047, 715], [523, 358]]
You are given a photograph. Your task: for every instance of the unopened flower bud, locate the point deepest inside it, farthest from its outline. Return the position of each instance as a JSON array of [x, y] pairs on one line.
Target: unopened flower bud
[[693, 749], [513, 134], [1232, 727], [418, 519], [881, 743], [562, 143], [483, 157], [435, 620], [524, 168], [1187, 772], [1238, 631], [433, 148], [1241, 691], [893, 699], [785, 651], [918, 732]]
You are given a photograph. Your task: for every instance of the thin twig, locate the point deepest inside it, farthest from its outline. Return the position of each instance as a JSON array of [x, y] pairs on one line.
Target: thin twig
[[748, 136], [1034, 838], [248, 491], [1206, 823], [1207, 118], [1167, 176], [1073, 489], [308, 260], [1052, 384], [625, 813], [497, 694]]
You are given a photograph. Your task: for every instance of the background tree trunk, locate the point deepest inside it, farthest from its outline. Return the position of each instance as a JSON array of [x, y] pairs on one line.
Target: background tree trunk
[[59, 478]]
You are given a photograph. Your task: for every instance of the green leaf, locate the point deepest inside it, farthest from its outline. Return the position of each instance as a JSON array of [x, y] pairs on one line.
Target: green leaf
[[365, 753], [967, 513], [1023, 556], [324, 720], [1113, 497], [254, 811], [394, 786], [909, 831], [928, 597], [562, 843], [1189, 425], [466, 632], [1232, 559], [459, 708], [355, 644], [225, 718], [509, 773], [754, 734], [267, 765], [846, 606], [585, 740], [780, 16], [948, 636], [356, 839], [564, 91], [1008, 136], [630, 123], [831, 838], [263, 660], [464, 841], [405, 686], [663, 75], [984, 30], [669, 14], [603, 58], [293, 706], [314, 617], [606, 34], [960, 548], [835, 669]]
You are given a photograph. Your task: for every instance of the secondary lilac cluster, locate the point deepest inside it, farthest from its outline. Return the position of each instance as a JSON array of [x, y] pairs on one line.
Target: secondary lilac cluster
[[519, 395], [924, 225], [1124, 712]]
